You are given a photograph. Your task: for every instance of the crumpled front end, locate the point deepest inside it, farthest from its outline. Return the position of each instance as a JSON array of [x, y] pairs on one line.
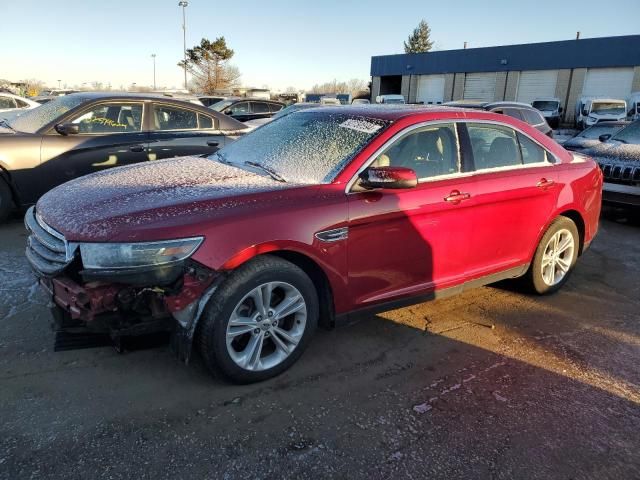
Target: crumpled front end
[[119, 302]]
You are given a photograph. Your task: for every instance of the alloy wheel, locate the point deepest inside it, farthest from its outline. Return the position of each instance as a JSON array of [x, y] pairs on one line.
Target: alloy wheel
[[557, 257], [266, 326]]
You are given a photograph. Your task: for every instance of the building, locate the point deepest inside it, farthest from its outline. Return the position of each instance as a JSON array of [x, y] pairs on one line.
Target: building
[[605, 67]]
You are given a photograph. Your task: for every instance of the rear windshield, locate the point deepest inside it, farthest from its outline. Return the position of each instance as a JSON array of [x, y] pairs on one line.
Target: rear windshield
[[544, 105], [308, 147]]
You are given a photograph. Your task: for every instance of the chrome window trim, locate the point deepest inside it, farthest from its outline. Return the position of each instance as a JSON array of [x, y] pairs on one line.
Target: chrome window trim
[[410, 128]]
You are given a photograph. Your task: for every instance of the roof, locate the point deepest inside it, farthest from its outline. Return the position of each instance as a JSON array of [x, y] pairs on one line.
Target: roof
[[622, 51], [478, 104], [389, 112]]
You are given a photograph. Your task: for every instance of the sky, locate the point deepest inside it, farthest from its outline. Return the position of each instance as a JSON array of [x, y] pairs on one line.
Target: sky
[[278, 43]]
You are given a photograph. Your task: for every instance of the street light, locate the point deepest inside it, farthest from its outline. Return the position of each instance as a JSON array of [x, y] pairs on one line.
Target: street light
[[59, 83], [153, 55], [184, 4]]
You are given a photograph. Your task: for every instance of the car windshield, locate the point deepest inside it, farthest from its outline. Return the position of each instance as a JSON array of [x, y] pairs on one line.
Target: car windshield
[[608, 108], [545, 105], [292, 108], [629, 134], [393, 100], [218, 107], [308, 147], [33, 120], [594, 132]]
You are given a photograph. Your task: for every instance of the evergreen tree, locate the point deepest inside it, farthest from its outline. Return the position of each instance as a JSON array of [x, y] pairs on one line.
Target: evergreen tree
[[420, 40]]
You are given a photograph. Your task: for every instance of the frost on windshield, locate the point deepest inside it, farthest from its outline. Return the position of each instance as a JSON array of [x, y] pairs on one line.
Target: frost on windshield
[[308, 147], [33, 120]]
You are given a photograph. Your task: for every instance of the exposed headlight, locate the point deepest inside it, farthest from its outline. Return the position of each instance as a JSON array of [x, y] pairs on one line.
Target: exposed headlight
[[132, 255]]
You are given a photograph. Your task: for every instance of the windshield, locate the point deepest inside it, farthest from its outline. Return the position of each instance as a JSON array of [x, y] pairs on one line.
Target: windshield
[[393, 100], [609, 108], [599, 129], [308, 147], [545, 105], [218, 107], [292, 108], [629, 134], [33, 120]]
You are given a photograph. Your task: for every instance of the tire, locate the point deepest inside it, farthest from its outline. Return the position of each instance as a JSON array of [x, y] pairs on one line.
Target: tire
[[6, 202], [558, 262], [227, 349]]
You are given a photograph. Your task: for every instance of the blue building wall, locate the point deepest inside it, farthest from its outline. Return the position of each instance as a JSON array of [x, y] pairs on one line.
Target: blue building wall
[[623, 51]]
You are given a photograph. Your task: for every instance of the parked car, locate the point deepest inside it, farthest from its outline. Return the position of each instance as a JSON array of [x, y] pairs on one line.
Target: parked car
[[619, 159], [360, 101], [310, 219], [245, 109], [590, 111], [82, 133], [590, 137], [330, 101], [633, 106], [208, 100], [296, 107], [550, 108], [521, 111], [10, 102], [393, 99]]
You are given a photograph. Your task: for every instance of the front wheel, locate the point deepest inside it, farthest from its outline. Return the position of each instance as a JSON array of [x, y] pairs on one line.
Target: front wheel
[[555, 256], [259, 321]]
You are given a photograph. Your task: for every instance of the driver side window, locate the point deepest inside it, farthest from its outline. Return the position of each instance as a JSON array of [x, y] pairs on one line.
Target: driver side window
[[111, 118], [430, 151]]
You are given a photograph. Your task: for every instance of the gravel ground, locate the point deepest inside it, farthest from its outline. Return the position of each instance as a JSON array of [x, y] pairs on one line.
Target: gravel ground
[[489, 384]]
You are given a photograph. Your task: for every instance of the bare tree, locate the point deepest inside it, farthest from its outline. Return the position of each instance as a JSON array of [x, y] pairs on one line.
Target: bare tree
[[353, 86], [208, 64]]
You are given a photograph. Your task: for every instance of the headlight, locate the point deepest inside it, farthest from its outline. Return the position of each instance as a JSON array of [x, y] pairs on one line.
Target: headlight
[[132, 255]]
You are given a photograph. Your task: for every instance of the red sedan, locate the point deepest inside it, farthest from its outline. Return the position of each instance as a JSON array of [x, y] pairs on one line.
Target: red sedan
[[316, 216]]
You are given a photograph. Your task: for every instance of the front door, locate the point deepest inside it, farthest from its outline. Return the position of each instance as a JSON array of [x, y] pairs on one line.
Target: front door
[[408, 242], [178, 131], [110, 135]]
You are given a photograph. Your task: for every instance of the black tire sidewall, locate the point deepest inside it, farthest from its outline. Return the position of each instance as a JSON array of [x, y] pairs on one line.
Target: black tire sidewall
[[221, 306], [537, 283], [6, 202]]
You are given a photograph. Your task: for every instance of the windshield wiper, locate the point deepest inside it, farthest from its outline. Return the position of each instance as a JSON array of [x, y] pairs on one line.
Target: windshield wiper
[[271, 173]]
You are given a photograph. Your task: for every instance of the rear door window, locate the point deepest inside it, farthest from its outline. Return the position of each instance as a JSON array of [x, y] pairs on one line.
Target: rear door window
[[204, 121], [259, 107], [275, 107], [166, 117], [493, 146], [531, 151]]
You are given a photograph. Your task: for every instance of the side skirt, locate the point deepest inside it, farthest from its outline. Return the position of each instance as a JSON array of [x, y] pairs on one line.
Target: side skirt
[[350, 317]]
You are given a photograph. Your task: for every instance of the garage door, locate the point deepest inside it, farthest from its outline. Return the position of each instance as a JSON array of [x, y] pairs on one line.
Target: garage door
[[480, 86], [536, 84], [430, 89], [608, 82]]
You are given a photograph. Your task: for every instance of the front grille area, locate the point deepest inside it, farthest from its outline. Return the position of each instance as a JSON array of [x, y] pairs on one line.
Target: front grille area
[[623, 174], [47, 250]]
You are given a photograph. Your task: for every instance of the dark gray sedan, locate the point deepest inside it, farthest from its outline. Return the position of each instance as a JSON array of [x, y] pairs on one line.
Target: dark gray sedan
[[590, 137], [78, 134]]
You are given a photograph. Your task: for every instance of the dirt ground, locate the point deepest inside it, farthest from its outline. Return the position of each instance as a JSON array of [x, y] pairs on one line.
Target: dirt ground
[[430, 391]]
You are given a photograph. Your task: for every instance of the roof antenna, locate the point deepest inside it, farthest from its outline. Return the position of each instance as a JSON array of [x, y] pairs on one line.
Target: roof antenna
[[577, 35]]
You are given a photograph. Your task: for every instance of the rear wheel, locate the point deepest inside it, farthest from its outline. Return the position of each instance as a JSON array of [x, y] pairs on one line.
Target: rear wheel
[[6, 202], [259, 321], [555, 256]]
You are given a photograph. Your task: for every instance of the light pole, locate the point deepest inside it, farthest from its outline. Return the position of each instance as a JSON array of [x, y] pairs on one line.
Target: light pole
[[153, 55], [59, 83], [184, 4]]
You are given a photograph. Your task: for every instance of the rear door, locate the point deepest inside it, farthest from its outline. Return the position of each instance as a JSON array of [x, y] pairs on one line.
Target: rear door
[[178, 131], [260, 110], [514, 194], [408, 242], [110, 135]]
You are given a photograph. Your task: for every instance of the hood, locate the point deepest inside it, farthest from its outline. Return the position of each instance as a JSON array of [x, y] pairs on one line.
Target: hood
[[614, 151], [580, 143], [152, 195]]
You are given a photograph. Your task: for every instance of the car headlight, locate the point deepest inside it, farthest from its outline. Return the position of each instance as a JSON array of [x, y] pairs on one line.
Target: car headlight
[[132, 255]]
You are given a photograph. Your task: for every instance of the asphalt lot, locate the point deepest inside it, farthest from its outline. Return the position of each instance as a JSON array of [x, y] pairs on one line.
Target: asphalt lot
[[430, 391]]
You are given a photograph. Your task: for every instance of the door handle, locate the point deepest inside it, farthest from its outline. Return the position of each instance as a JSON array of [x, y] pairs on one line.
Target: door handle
[[136, 148], [456, 196], [213, 143], [544, 183]]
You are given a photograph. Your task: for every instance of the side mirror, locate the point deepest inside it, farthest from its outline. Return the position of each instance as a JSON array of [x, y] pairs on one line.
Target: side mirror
[[388, 177], [228, 112], [67, 128], [604, 137]]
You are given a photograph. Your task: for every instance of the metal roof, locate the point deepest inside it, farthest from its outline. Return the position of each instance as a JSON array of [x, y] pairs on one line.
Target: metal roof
[[623, 51]]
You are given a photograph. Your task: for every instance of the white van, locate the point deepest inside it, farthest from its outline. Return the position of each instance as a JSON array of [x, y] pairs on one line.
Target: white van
[[591, 110], [550, 109], [390, 98], [633, 106]]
